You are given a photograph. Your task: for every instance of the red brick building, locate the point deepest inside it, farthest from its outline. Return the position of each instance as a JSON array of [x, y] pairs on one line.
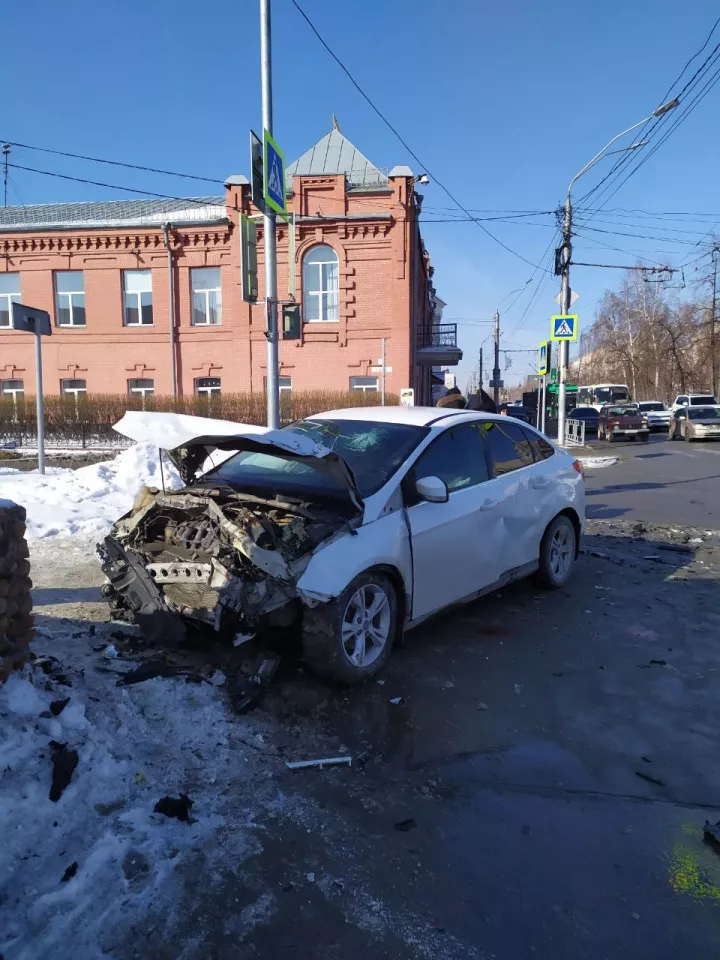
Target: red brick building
[[112, 273]]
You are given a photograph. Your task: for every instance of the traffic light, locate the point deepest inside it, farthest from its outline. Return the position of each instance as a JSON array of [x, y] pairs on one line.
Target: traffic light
[[291, 321], [248, 245]]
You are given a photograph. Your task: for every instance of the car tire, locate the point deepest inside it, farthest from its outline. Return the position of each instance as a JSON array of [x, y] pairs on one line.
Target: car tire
[[328, 648], [557, 553], [645, 437], [610, 438]]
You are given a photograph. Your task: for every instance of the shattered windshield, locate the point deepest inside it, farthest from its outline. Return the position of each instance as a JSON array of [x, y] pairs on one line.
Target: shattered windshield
[[373, 451]]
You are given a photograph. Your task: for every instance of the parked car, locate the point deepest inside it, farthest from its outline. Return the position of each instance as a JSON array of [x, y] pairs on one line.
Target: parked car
[[694, 400], [657, 414], [354, 524], [518, 411], [622, 420], [695, 423], [588, 415]]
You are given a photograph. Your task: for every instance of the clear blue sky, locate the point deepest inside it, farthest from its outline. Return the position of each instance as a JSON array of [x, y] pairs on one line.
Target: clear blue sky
[[502, 102]]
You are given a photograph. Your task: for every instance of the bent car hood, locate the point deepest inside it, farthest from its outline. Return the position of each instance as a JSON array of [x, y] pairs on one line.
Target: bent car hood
[[189, 441]]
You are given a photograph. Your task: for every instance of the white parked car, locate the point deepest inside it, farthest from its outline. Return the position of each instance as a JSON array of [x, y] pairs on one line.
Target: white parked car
[[356, 524], [694, 400], [657, 414]]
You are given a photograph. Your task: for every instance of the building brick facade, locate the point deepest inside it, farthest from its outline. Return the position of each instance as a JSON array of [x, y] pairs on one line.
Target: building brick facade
[[101, 253]]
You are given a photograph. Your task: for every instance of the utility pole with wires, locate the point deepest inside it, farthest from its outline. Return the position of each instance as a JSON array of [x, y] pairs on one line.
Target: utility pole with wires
[[480, 370], [6, 157], [713, 317], [496, 363]]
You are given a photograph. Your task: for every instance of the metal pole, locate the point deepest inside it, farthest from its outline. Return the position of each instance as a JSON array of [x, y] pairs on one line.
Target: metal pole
[[171, 310], [564, 309], [544, 403], [539, 395], [40, 403], [713, 358], [269, 239], [496, 367], [382, 385], [480, 378]]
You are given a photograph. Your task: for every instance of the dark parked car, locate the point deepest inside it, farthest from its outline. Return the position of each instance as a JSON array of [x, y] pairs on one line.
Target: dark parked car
[[622, 420], [588, 415], [518, 411]]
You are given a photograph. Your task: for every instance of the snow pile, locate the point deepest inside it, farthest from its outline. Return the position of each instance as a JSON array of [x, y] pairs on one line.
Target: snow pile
[[597, 463], [88, 866], [86, 501]]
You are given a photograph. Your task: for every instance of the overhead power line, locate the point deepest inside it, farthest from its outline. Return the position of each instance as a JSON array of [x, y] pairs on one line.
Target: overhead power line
[[412, 153]]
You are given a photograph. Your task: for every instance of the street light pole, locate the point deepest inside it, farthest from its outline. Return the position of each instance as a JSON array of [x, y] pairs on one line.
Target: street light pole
[[496, 364], [713, 357], [269, 238], [566, 251]]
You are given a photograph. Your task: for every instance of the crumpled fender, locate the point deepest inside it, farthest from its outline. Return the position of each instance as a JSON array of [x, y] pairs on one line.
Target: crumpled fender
[[333, 565]]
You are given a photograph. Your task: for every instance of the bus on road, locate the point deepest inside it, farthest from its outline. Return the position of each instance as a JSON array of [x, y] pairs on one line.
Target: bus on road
[[598, 394]]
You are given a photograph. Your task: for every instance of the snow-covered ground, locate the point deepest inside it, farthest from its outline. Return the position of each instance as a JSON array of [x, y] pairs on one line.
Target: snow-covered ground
[[86, 501]]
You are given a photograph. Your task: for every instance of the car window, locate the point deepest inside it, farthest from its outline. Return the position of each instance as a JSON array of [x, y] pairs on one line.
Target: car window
[[540, 447], [702, 400], [680, 415], [457, 457], [681, 400], [508, 447]]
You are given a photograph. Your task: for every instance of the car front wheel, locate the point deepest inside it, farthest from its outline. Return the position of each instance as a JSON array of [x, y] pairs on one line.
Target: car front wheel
[[351, 637], [557, 553]]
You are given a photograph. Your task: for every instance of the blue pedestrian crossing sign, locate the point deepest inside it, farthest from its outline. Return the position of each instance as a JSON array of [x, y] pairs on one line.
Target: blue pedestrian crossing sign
[[544, 359], [274, 174], [564, 326]]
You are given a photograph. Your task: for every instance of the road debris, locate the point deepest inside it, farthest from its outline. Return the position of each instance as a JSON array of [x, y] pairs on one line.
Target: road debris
[[711, 834], [646, 776], [111, 651], [482, 706], [218, 678], [57, 706], [325, 762], [241, 638], [64, 762], [249, 692], [178, 807], [404, 826], [397, 700], [70, 872]]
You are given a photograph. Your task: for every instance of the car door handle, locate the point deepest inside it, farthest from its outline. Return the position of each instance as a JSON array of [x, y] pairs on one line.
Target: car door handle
[[489, 504], [540, 482]]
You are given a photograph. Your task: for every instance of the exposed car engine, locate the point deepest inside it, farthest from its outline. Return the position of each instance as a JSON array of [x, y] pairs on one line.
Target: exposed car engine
[[208, 556]]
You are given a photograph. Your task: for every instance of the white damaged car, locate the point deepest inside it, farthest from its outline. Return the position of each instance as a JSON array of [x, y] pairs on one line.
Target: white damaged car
[[355, 524]]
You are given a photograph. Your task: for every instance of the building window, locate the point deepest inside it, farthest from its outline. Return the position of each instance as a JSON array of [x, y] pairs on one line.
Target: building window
[[207, 387], [9, 293], [364, 384], [285, 385], [320, 284], [206, 297], [144, 388], [73, 388], [137, 298], [12, 388], [70, 298]]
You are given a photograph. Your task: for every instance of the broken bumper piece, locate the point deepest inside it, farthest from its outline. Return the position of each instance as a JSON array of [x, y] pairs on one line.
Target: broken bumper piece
[[129, 578]]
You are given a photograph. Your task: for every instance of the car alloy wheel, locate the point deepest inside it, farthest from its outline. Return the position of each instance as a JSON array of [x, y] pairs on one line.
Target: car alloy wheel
[[562, 550], [366, 625]]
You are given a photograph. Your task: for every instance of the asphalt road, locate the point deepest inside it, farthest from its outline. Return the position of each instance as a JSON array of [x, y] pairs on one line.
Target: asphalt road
[[664, 481]]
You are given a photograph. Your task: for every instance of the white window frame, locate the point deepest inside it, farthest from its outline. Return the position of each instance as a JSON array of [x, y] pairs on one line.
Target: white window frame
[[141, 391], [13, 392], [76, 392], [207, 391], [285, 385], [138, 295], [6, 299], [205, 293], [317, 291], [365, 387], [70, 294]]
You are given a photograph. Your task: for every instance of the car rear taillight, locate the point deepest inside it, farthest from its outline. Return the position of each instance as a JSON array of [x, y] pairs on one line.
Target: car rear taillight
[[579, 467]]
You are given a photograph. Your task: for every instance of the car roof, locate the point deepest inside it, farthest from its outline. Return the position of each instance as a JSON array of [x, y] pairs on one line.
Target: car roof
[[416, 416]]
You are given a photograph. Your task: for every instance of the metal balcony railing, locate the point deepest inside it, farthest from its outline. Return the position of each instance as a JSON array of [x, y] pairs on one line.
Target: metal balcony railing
[[437, 335]]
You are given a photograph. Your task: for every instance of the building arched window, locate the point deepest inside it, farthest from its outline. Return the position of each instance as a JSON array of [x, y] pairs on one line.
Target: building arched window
[[320, 284]]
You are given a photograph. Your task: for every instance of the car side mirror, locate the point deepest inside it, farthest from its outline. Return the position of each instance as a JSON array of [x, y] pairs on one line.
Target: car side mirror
[[432, 489]]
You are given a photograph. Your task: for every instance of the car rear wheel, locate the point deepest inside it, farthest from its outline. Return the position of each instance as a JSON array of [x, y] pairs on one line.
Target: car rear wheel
[[557, 553], [351, 638], [645, 437]]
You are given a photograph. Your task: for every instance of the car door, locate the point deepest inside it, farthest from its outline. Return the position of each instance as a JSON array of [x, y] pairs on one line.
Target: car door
[[455, 545], [525, 490]]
